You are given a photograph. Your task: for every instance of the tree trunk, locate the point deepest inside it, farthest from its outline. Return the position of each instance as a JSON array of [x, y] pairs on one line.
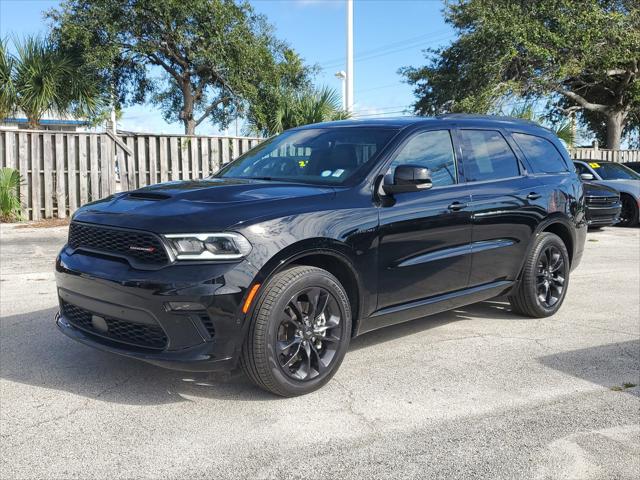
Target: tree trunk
[[615, 124], [186, 115]]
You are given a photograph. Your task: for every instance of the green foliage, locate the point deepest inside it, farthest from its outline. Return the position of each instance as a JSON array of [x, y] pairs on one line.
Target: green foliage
[[9, 197], [197, 60], [7, 88], [580, 55], [43, 78], [302, 108]]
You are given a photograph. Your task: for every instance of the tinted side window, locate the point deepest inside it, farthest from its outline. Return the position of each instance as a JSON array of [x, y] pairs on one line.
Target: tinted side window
[[541, 153], [433, 150], [487, 156]]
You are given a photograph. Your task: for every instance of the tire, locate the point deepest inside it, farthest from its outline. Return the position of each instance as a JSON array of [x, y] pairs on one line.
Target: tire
[[286, 314], [629, 212], [527, 299]]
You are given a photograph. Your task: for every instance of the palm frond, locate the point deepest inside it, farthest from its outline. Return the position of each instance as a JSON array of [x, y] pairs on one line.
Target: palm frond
[[10, 207]]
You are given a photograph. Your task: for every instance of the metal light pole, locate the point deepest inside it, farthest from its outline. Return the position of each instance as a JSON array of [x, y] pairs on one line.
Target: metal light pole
[[343, 77], [349, 90]]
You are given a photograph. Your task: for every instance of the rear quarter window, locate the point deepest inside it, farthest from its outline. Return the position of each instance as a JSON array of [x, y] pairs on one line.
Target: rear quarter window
[[543, 155]]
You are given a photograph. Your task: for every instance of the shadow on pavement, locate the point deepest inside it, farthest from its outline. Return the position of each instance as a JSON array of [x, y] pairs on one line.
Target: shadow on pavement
[[611, 365], [33, 352]]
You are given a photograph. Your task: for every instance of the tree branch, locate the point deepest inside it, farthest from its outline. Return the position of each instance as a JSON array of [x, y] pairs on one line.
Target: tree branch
[[594, 107], [210, 109]]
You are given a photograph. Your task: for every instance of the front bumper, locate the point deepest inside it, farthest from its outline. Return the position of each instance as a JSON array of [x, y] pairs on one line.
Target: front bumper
[[603, 216], [109, 305]]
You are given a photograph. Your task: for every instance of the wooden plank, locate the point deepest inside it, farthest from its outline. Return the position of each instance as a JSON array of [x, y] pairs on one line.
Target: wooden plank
[[235, 148], [47, 155], [61, 186], [164, 166], [141, 150], [10, 159], [94, 168], [36, 183], [23, 159], [106, 164], [83, 177], [113, 180], [196, 170], [131, 164], [215, 155], [204, 149], [244, 146], [184, 157], [121, 160], [153, 161], [225, 150], [72, 180], [174, 155]]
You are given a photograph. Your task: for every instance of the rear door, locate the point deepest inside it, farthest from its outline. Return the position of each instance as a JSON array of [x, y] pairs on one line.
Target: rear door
[[424, 237], [506, 204]]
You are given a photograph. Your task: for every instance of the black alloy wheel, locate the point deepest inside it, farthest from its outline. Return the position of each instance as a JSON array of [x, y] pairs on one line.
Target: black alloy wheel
[[309, 334], [629, 212], [299, 332], [551, 276], [544, 279]]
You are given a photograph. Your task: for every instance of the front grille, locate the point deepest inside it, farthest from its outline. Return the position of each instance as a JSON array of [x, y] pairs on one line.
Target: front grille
[[136, 334], [141, 247], [601, 201]]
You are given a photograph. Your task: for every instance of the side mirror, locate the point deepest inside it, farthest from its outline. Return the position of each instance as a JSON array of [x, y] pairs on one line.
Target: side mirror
[[408, 178], [586, 176]]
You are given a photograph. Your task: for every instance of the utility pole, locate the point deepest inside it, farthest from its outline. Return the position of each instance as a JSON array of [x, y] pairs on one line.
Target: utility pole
[[349, 94], [343, 77]]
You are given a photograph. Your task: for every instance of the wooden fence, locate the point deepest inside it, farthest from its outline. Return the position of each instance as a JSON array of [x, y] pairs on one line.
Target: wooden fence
[[63, 170], [603, 154]]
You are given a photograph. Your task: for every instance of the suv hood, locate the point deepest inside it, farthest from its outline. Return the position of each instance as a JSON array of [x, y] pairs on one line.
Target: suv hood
[[200, 205], [631, 187]]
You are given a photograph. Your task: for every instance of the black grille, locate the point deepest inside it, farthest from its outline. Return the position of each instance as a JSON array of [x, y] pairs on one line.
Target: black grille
[[140, 246], [208, 324], [137, 334], [601, 201]]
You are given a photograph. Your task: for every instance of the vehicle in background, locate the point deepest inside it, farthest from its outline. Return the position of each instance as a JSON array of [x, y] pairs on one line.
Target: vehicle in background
[[603, 205], [635, 166], [619, 177]]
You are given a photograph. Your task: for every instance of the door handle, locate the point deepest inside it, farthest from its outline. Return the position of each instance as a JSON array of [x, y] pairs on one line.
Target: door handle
[[533, 196], [455, 206]]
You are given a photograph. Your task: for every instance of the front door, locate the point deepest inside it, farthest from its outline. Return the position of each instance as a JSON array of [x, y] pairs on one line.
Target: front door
[[425, 236]]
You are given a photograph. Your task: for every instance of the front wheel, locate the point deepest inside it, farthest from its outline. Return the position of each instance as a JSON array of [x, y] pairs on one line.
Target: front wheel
[[299, 332], [544, 279], [629, 211]]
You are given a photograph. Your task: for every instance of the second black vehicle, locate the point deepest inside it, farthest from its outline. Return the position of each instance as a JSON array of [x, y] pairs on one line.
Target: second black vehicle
[[321, 234]]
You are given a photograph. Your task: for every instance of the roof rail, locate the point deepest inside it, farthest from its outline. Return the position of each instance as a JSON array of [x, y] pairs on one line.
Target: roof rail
[[499, 118]]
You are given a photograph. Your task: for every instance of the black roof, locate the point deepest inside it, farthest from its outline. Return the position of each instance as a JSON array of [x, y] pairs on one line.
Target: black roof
[[458, 118]]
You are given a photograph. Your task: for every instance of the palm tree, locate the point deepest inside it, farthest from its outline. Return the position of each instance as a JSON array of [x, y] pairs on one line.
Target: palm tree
[[305, 107], [7, 88], [563, 130], [47, 79]]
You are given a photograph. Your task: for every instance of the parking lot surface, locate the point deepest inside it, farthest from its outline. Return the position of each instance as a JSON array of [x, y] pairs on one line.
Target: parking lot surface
[[473, 393]]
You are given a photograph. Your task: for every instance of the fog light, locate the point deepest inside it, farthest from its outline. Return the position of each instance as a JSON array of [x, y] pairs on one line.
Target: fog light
[[184, 306]]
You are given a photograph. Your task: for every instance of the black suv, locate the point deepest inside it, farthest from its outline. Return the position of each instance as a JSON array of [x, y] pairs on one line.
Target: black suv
[[320, 234]]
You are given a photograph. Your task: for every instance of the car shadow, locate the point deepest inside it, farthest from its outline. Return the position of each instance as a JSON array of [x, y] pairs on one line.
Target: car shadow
[[615, 365], [34, 352]]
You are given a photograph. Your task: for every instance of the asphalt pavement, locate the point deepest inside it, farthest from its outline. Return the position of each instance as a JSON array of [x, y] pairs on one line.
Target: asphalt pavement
[[473, 393]]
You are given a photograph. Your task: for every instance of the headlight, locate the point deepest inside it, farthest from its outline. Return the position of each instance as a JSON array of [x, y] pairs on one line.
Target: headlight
[[208, 246]]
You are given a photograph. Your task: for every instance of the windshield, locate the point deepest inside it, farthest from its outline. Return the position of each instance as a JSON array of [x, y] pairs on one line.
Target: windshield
[[324, 156], [614, 171]]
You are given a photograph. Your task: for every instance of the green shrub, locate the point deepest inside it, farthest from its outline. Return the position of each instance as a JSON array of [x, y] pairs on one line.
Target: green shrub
[[10, 208]]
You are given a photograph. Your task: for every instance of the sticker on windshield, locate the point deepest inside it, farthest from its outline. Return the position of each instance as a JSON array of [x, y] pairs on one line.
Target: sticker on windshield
[[338, 173], [594, 165], [325, 173]]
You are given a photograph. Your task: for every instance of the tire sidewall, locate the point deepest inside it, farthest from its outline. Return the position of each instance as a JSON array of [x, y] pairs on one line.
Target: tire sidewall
[[319, 279]]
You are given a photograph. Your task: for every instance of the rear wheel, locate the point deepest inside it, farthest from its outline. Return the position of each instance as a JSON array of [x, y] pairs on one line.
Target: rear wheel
[[629, 212], [299, 333], [544, 279]]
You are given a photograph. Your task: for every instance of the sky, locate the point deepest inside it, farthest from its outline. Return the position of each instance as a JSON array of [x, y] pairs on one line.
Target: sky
[[388, 34]]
